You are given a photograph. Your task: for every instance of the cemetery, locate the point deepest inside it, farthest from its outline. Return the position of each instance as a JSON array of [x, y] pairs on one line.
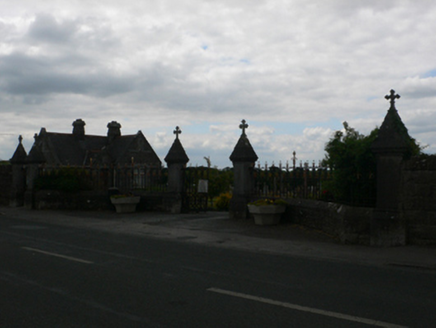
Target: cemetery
[[389, 202]]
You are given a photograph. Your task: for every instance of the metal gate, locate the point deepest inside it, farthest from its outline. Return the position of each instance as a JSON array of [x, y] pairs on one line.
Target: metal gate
[[196, 186]]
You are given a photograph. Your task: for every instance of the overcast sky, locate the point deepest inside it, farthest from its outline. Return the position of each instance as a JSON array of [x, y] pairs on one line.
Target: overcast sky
[[294, 70]]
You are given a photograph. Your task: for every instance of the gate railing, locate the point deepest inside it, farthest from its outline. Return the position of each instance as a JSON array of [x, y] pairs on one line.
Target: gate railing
[[305, 181], [101, 178], [196, 193], [311, 181]]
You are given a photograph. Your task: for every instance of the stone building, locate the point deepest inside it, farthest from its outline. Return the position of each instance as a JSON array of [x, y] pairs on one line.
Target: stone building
[[80, 149], [116, 161]]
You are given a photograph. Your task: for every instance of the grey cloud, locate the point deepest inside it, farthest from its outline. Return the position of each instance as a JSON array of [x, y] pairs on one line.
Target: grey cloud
[[27, 75], [46, 28], [79, 34], [182, 89], [420, 91]]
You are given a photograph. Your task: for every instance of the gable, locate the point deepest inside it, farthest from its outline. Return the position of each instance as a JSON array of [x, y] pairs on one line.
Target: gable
[[134, 148]]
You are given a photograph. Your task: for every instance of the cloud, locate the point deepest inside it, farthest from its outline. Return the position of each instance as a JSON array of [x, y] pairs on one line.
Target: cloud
[[46, 28], [206, 65], [27, 75], [416, 87]]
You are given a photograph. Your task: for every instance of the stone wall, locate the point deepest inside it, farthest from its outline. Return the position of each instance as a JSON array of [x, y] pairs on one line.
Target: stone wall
[[350, 225], [151, 201], [418, 201], [84, 200], [5, 183], [89, 200]]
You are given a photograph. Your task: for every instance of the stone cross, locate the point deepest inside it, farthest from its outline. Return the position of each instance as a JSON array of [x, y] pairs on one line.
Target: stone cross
[[392, 98], [177, 131], [20, 138], [243, 126]]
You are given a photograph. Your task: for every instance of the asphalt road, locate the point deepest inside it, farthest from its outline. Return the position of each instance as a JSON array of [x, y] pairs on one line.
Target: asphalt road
[[59, 276]]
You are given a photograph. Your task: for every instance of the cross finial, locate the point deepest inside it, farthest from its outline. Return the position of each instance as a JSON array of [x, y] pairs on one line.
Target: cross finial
[[243, 126], [392, 98], [20, 138], [177, 131]]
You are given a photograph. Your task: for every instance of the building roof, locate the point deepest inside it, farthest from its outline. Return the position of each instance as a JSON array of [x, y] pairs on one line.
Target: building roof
[[78, 149]]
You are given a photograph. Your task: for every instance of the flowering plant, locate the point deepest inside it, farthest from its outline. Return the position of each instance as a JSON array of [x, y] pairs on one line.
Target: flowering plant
[[268, 201], [123, 195]]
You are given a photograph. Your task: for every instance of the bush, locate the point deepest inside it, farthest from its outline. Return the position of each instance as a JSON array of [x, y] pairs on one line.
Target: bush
[[354, 165], [268, 201], [223, 201], [219, 181], [64, 179]]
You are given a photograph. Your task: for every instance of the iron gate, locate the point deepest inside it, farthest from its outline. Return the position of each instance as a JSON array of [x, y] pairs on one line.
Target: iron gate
[[195, 195]]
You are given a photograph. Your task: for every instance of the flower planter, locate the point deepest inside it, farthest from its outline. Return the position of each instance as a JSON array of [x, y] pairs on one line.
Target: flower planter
[[268, 214], [125, 204]]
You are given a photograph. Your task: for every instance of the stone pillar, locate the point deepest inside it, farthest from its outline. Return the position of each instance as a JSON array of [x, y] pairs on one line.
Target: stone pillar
[[176, 160], [33, 162], [243, 158], [388, 227], [18, 161]]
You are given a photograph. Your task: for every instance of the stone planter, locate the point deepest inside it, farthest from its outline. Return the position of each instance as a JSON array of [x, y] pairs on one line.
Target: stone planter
[[125, 204], [267, 214]]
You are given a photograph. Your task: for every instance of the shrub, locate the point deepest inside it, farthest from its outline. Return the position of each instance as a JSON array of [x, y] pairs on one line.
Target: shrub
[[223, 201], [268, 201], [64, 179], [350, 157]]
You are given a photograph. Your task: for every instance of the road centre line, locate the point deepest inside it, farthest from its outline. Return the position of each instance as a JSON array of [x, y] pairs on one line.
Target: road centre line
[[87, 249], [57, 255], [307, 309]]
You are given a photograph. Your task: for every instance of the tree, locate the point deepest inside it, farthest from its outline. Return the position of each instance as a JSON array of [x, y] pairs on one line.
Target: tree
[[220, 181], [353, 166]]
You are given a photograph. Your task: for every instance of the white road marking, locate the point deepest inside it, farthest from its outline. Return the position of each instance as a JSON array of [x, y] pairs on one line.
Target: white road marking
[[57, 255], [307, 309]]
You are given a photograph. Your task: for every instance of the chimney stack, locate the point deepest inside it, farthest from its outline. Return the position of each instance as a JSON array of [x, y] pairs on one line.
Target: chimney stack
[[114, 130], [79, 128]]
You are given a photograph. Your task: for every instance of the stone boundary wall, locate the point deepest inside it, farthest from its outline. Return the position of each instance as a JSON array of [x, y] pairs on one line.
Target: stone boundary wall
[[58, 200], [89, 200], [5, 183], [418, 201], [350, 225]]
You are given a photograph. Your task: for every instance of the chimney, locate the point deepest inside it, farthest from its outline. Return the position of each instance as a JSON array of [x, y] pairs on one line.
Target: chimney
[[114, 131], [79, 128]]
